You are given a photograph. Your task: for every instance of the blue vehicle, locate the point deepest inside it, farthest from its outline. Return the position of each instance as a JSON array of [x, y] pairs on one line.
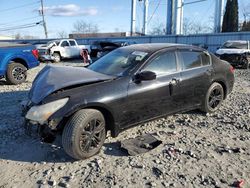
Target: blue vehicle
[[15, 60]]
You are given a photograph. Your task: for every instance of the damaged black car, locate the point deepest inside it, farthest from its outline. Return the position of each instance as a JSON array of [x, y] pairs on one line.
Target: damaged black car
[[127, 87]]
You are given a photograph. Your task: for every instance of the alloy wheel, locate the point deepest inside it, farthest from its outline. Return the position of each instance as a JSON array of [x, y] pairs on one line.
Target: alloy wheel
[[91, 136], [215, 98], [18, 73]]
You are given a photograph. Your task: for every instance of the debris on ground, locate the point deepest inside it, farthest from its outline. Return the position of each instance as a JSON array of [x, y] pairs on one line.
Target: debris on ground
[[140, 144]]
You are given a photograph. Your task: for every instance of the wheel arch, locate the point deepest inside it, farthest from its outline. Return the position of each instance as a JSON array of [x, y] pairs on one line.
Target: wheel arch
[[57, 52], [108, 115], [19, 60], [224, 86]]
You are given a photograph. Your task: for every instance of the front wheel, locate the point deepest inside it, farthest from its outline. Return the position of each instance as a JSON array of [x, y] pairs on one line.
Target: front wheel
[[57, 57], [214, 98], [84, 134], [16, 73]]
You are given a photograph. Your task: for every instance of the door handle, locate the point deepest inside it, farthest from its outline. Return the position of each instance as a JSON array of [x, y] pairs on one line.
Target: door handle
[[174, 81]]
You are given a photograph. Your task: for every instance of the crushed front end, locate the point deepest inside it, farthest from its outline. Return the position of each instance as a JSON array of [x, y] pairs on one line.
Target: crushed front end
[[36, 118]]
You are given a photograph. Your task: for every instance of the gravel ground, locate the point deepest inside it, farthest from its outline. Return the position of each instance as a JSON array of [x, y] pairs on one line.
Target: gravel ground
[[198, 150]]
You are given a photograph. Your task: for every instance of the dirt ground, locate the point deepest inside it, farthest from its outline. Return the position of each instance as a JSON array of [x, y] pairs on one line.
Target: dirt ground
[[197, 150]]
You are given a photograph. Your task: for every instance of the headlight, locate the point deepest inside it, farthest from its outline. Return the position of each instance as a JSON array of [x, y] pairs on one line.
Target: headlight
[[43, 112]]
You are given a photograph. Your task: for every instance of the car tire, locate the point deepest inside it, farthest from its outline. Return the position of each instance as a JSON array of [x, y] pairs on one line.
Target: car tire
[[214, 98], [57, 57], [16, 73], [84, 134]]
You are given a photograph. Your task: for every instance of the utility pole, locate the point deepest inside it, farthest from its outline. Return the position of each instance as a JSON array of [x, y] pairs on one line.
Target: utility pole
[[133, 17], [174, 23], [169, 17], [219, 5], [44, 23], [145, 18]]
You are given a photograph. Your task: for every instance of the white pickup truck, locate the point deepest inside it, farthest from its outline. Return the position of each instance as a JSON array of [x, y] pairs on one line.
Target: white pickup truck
[[65, 48]]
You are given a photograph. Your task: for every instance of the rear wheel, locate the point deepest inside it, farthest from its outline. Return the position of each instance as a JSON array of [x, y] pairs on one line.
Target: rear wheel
[[214, 98], [84, 134], [16, 73]]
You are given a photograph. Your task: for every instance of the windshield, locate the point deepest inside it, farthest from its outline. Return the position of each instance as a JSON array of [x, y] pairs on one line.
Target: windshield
[[237, 45], [117, 62]]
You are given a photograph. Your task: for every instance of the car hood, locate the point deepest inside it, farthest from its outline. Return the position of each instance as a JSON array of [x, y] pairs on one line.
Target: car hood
[[231, 51], [52, 78]]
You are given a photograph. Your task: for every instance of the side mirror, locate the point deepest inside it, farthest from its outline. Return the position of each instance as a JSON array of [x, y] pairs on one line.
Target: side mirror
[[144, 76]]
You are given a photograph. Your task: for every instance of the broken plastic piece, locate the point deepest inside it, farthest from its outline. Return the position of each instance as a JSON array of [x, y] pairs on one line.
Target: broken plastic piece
[[140, 144]]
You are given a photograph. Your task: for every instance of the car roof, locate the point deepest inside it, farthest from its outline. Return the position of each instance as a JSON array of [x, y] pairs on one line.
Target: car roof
[[153, 47]]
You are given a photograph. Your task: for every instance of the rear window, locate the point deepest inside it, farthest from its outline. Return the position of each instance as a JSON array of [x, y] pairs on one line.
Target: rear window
[[190, 59], [194, 59]]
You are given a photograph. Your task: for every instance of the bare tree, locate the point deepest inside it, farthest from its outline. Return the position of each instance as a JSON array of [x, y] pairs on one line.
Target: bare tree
[[82, 26], [29, 37], [62, 34], [158, 29], [18, 36], [190, 27]]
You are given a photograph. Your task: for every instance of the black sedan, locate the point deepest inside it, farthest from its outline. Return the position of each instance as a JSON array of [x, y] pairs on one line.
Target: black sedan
[[127, 87]]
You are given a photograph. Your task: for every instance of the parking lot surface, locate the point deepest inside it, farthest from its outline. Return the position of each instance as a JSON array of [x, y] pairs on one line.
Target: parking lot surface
[[197, 150]]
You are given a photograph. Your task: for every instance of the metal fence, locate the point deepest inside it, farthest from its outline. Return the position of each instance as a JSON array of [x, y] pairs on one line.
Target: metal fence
[[211, 41]]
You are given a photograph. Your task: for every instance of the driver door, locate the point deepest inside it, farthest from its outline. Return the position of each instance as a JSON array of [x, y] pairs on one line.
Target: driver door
[[65, 51], [149, 99]]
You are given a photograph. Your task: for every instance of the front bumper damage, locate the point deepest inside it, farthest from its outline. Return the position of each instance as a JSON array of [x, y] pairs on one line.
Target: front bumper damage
[[46, 131], [236, 60]]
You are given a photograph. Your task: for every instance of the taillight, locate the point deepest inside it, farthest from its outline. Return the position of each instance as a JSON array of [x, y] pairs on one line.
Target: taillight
[[231, 69], [35, 53]]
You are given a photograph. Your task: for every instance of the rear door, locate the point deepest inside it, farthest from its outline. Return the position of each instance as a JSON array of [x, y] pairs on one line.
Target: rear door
[[149, 99], [196, 75]]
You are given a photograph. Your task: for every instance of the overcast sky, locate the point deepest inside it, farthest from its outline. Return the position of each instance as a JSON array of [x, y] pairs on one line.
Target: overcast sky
[[109, 15]]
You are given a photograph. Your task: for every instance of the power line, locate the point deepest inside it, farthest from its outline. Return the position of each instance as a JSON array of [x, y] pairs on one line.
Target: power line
[[24, 5], [157, 6], [21, 26], [19, 20]]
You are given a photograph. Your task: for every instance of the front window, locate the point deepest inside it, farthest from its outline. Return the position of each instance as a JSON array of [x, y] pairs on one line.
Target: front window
[[117, 62], [164, 63], [64, 43], [237, 45]]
